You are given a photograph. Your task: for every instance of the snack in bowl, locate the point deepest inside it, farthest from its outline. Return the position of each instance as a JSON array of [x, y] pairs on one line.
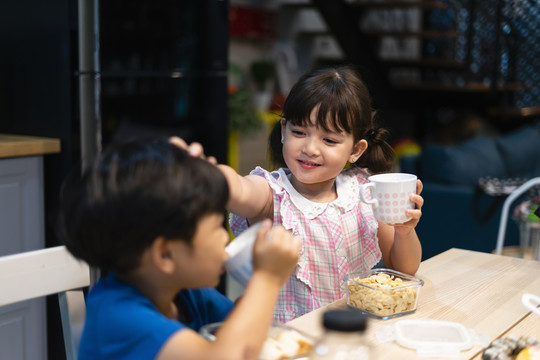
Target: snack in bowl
[[282, 343], [285, 343], [383, 293]]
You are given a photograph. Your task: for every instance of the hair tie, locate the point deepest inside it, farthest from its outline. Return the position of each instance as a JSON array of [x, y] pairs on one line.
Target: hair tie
[[369, 134]]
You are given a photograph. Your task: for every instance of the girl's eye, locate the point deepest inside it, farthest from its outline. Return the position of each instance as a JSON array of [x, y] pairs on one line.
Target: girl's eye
[[331, 141], [297, 132]]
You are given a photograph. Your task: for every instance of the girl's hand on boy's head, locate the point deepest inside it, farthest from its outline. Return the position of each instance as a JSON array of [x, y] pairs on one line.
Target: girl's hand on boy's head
[[275, 252], [195, 149]]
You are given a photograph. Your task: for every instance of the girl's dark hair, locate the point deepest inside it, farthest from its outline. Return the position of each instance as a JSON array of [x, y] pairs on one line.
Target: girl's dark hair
[[132, 194], [345, 105]]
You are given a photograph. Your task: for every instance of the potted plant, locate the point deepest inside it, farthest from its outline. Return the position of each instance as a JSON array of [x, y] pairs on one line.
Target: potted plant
[[242, 115], [262, 72]]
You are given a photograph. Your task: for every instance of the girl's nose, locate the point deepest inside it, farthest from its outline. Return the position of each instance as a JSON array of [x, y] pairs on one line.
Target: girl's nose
[[311, 146]]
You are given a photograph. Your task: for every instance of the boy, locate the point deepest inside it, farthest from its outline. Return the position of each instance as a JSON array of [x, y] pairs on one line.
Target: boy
[[150, 216]]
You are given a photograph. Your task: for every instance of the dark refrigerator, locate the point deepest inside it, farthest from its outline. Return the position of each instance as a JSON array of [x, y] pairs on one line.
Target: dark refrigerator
[[93, 72], [164, 70]]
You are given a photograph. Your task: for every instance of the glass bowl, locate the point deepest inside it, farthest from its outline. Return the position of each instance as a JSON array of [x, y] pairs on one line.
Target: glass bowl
[[382, 293], [283, 342]]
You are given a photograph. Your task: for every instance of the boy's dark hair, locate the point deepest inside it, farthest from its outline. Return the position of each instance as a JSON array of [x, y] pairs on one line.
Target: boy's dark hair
[[345, 104], [132, 194]]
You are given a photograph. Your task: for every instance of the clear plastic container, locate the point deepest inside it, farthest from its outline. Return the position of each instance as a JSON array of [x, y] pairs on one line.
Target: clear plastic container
[[382, 293]]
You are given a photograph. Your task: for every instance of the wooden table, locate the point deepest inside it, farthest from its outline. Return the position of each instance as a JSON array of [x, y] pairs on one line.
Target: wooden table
[[479, 290]]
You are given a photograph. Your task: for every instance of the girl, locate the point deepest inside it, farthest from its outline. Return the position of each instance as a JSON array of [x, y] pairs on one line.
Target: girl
[[327, 122]]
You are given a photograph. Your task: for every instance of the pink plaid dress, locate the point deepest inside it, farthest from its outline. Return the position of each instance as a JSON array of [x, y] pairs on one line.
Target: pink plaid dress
[[337, 238]]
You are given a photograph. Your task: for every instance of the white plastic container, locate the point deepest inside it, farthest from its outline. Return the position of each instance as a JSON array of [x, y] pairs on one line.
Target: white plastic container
[[432, 338]]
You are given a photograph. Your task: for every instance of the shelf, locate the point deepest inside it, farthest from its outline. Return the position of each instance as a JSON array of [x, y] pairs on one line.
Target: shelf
[[514, 112], [472, 95], [169, 74], [471, 87], [307, 33], [426, 5], [425, 34], [296, 5], [426, 63]]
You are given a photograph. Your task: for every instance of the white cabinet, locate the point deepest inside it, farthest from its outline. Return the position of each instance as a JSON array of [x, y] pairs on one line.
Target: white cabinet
[[21, 204], [22, 325]]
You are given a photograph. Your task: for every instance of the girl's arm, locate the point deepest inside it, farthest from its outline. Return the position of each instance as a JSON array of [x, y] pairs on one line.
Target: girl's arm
[[249, 196], [399, 244], [245, 329]]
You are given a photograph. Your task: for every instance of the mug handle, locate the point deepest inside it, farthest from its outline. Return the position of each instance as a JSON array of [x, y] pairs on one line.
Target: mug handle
[[531, 302], [363, 190]]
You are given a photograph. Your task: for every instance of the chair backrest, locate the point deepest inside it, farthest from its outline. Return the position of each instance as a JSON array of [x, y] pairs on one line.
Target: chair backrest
[[505, 209], [33, 274]]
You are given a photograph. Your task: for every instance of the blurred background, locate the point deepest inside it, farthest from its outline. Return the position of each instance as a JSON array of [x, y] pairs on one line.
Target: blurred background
[[457, 83]]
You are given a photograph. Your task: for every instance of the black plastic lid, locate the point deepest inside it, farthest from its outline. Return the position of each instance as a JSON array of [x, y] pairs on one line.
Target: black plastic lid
[[344, 320]]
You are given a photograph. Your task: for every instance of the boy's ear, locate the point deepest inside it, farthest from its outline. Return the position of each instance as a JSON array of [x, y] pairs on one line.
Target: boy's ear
[[358, 150], [163, 254]]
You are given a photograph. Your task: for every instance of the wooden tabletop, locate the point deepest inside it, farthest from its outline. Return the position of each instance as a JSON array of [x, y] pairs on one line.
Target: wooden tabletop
[[479, 290], [19, 145]]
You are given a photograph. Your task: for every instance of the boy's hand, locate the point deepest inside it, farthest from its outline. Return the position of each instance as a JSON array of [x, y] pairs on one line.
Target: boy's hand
[[275, 252], [195, 149]]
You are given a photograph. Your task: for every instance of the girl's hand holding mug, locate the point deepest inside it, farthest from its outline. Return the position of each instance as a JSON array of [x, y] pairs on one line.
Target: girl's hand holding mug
[[395, 197]]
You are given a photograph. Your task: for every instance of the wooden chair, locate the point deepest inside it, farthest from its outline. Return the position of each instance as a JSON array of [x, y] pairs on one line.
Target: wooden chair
[[38, 273]]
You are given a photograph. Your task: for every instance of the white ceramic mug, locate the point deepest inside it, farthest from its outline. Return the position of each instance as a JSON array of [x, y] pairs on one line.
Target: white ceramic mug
[[390, 196], [240, 250]]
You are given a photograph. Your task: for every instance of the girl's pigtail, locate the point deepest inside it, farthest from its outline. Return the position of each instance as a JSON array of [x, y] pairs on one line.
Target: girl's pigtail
[[379, 156], [275, 147]]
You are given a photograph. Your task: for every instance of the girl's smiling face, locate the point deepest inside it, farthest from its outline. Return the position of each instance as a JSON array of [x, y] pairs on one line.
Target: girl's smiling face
[[316, 156]]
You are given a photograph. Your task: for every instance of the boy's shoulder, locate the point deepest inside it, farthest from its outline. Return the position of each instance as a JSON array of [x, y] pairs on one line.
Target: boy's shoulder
[[118, 311], [110, 293]]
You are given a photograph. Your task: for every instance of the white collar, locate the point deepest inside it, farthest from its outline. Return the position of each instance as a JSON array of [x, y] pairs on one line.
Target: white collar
[[347, 188]]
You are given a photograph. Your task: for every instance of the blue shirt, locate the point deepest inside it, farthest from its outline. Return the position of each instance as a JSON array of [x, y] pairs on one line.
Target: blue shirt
[[123, 324]]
